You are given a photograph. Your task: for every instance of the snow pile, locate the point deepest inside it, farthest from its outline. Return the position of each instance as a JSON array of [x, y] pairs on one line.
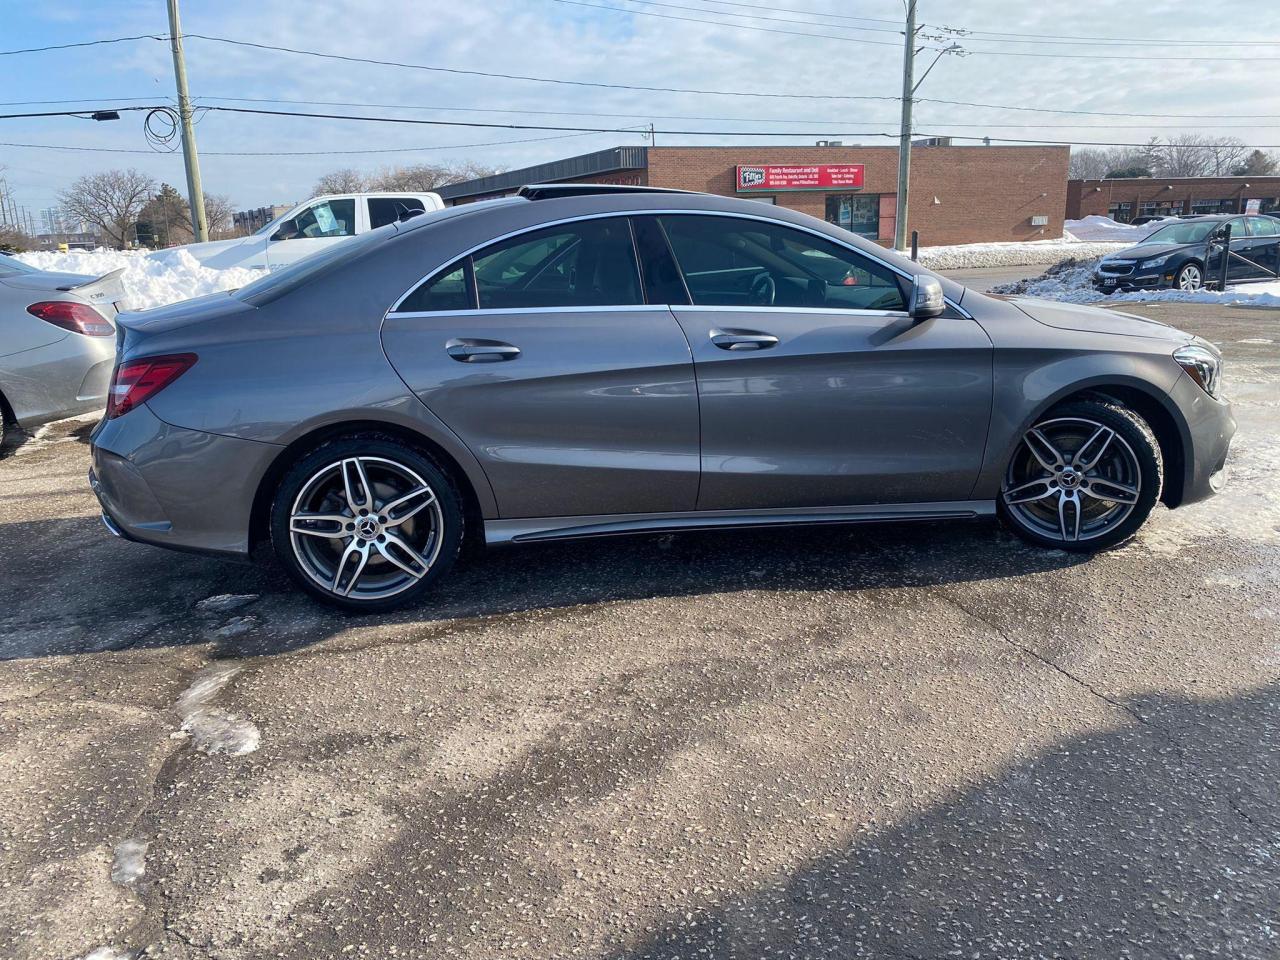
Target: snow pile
[[1104, 228], [1071, 281], [967, 256], [150, 279]]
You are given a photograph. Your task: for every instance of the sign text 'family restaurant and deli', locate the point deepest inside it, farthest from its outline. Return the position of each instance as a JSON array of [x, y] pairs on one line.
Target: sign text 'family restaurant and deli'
[[768, 178]]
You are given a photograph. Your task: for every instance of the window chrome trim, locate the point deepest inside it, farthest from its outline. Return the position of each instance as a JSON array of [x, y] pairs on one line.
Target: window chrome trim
[[841, 311], [655, 213], [489, 311]]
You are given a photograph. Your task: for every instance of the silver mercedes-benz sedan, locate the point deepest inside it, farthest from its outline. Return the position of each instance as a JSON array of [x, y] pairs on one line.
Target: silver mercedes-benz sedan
[[57, 343], [582, 360]]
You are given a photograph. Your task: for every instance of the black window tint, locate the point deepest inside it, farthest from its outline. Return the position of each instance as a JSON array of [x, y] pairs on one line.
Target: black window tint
[[447, 290], [730, 262], [384, 210], [589, 263], [662, 283]]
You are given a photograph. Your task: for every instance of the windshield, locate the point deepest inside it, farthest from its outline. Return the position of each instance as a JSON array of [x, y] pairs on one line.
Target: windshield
[[10, 267], [1193, 232]]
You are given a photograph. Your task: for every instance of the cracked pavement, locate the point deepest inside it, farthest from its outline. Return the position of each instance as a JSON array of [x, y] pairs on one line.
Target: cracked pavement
[[882, 741]]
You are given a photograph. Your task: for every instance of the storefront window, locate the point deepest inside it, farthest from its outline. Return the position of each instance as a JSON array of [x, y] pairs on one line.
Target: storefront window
[[857, 212], [1120, 212], [1160, 208], [1212, 206]]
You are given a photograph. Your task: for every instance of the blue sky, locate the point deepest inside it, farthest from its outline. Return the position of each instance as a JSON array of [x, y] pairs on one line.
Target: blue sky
[[547, 38]]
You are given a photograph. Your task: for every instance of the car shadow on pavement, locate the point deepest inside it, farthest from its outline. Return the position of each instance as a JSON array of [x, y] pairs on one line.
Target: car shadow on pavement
[[1157, 837], [115, 595]]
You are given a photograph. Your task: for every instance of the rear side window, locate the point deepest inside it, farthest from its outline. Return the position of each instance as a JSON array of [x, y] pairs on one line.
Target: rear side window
[[589, 263], [384, 210], [729, 262], [1262, 227]]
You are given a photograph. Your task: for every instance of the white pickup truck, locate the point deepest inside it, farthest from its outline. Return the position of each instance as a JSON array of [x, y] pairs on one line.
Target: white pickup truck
[[311, 226]]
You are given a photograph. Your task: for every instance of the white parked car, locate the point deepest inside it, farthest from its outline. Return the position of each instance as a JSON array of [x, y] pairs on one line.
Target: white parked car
[[311, 226]]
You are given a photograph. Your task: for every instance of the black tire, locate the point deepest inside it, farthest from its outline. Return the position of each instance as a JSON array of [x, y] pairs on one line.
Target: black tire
[[1134, 463], [389, 576]]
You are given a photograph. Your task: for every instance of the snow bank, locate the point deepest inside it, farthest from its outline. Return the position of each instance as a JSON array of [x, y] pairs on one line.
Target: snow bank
[[1104, 228], [150, 279], [1070, 281], [966, 256]]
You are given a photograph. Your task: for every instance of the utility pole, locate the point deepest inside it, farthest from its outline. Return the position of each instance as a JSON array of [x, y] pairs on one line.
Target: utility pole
[[195, 192], [904, 134]]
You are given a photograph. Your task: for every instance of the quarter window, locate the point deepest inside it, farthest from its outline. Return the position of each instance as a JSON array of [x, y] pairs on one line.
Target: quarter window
[[589, 263], [729, 262], [447, 290]]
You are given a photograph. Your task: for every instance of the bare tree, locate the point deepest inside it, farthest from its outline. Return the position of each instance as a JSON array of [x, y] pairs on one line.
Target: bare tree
[[1193, 155], [110, 201], [414, 177], [346, 180], [1099, 164], [165, 219], [218, 209], [1257, 164]]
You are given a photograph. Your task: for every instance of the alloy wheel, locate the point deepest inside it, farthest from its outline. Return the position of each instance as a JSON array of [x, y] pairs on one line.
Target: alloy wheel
[[1190, 278], [1072, 479], [366, 528]]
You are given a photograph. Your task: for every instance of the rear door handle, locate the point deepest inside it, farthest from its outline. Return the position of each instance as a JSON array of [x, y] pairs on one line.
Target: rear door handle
[[743, 339], [481, 351]]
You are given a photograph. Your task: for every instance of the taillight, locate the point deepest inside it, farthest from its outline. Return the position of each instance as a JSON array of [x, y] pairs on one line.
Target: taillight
[[76, 317], [136, 381]]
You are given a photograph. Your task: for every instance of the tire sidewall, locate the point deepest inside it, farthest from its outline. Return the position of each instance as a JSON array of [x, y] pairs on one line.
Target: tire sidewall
[[1141, 440], [366, 446]]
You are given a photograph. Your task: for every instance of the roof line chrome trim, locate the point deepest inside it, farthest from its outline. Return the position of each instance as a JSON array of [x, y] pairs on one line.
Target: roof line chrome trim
[[656, 213]]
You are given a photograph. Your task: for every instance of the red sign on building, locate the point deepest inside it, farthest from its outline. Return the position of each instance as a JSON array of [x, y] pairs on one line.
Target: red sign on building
[[771, 178]]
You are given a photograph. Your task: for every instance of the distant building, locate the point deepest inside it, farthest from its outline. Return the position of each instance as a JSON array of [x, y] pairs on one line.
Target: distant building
[[251, 221], [1123, 199]]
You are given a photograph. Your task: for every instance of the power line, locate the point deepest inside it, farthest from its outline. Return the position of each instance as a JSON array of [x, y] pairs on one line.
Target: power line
[[83, 43], [814, 13], [752, 16], [725, 23], [512, 76], [1079, 39]]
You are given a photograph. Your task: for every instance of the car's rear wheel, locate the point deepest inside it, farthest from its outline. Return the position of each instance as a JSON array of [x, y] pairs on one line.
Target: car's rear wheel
[[1190, 277], [1083, 478], [366, 523]]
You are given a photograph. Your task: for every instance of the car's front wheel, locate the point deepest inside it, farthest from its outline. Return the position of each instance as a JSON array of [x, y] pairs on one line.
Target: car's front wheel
[[1083, 478], [366, 523], [1190, 277]]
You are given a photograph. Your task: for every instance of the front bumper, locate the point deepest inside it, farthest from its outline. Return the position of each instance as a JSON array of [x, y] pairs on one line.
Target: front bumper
[[1210, 427], [174, 487]]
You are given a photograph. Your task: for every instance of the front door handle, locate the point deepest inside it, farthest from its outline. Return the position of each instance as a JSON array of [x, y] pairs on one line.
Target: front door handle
[[481, 351], [743, 339]]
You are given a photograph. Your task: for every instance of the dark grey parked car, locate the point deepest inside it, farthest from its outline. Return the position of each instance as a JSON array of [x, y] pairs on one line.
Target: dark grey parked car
[[592, 360]]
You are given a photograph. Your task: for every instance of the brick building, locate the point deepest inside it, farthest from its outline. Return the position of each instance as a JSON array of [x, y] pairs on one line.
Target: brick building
[[958, 194], [1124, 199]]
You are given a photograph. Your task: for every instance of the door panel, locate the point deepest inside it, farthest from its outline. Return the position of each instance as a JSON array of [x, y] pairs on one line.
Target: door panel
[[848, 407], [596, 414]]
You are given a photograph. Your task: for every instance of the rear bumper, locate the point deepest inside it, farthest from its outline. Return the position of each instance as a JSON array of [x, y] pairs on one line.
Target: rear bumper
[[177, 488]]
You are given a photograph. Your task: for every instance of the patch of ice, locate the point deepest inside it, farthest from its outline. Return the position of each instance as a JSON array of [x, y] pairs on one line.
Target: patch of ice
[[130, 861], [225, 602], [234, 627], [150, 279], [1262, 340], [109, 953], [212, 729]]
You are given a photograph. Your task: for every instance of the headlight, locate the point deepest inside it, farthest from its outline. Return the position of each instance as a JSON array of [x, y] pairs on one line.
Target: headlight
[[1202, 365], [1156, 261]]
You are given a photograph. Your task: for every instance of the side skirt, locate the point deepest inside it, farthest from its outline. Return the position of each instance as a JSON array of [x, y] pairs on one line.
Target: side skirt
[[560, 528]]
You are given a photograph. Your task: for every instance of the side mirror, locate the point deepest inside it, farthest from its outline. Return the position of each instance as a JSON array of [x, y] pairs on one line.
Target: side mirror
[[286, 230], [926, 298]]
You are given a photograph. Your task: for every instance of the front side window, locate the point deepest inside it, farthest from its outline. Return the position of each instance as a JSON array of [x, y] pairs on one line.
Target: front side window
[[384, 210], [584, 264], [729, 262], [327, 218]]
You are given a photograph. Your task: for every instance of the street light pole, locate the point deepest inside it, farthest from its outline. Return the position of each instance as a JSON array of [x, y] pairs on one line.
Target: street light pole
[[195, 192], [904, 134]]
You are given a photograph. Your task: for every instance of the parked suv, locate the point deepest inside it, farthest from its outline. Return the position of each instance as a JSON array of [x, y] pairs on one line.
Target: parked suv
[[584, 360], [1177, 255], [312, 226]]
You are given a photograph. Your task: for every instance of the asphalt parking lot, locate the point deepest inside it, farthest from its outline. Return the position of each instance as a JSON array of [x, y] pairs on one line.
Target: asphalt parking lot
[[899, 741]]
